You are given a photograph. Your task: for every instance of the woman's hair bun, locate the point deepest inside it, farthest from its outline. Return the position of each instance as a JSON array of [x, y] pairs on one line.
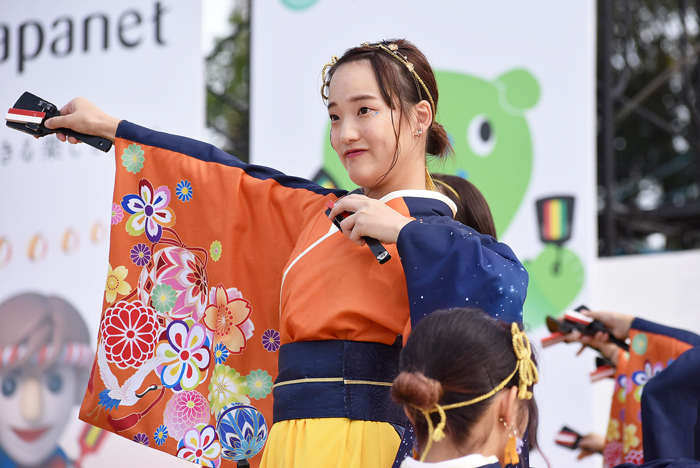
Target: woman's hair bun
[[416, 390], [438, 143]]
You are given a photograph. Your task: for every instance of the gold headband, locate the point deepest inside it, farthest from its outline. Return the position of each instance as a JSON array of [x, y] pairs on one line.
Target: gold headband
[[391, 49], [527, 376]]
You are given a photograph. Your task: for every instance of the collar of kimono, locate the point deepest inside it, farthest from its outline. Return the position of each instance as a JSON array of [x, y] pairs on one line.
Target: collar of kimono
[[429, 194]]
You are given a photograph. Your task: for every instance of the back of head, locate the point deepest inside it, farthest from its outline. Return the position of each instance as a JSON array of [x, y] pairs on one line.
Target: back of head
[[472, 208], [454, 356]]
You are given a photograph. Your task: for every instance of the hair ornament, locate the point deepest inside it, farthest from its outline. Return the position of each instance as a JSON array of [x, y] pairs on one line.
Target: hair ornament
[[527, 375], [527, 371], [326, 82], [393, 50], [448, 187]]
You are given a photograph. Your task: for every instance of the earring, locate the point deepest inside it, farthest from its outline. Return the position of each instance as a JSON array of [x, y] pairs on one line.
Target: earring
[[510, 456], [418, 132]]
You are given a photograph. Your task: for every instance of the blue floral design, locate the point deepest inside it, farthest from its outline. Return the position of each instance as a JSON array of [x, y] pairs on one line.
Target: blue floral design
[[160, 435], [242, 431], [183, 190], [220, 353]]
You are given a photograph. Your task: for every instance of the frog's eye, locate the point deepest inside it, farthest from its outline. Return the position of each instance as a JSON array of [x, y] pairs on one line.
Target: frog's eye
[[481, 136]]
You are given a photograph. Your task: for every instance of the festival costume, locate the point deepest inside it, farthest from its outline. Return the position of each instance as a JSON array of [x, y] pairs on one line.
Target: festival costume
[[220, 268], [666, 414]]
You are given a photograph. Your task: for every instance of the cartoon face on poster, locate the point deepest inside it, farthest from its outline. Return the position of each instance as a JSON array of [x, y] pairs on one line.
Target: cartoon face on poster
[[45, 358]]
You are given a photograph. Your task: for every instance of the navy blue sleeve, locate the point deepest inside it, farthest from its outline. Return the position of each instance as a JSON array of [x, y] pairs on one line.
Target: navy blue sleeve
[[651, 327], [670, 409], [450, 265]]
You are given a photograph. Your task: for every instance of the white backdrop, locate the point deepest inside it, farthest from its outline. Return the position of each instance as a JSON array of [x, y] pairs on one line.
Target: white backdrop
[[553, 41], [151, 73]]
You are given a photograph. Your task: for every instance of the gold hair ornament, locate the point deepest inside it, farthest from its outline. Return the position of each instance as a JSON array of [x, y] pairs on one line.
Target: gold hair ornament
[[448, 187], [393, 50], [326, 82], [527, 376]]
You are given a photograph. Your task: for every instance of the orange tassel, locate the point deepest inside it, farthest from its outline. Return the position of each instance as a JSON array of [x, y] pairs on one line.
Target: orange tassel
[[511, 454]]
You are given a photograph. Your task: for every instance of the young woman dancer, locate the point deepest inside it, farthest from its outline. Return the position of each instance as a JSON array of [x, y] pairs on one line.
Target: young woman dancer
[[341, 315]]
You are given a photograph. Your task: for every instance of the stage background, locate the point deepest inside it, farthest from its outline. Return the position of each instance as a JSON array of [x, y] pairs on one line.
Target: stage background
[[58, 197], [484, 53]]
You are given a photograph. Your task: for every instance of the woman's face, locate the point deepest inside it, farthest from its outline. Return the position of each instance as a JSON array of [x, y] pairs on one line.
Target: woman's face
[[34, 409], [362, 133]]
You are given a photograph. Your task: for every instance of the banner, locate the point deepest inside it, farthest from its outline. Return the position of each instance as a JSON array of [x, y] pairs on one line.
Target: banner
[[139, 61], [517, 98]]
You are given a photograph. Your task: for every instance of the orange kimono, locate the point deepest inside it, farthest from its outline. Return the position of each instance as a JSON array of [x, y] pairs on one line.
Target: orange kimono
[[653, 347], [220, 269]]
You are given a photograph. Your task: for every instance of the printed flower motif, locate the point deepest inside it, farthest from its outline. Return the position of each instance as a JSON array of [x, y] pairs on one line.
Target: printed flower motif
[[163, 298], [220, 353], [227, 386], [259, 383], [271, 340], [116, 283], [183, 190], [612, 454], [200, 446], [621, 388], [185, 273], [132, 158], [128, 332], [141, 438], [640, 344], [613, 430], [636, 457], [117, 213], [215, 250], [149, 211], [184, 411], [161, 433], [629, 438], [186, 354], [140, 254], [226, 317], [242, 431], [640, 378]]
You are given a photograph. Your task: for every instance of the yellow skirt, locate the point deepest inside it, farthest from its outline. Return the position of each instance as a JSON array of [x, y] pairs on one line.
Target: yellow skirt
[[331, 443]]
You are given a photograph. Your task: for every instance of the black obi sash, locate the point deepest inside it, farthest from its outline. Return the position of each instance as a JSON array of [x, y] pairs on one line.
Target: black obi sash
[[337, 379]]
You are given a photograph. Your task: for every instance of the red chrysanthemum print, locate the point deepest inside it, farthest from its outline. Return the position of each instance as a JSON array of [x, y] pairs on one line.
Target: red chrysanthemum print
[[128, 332]]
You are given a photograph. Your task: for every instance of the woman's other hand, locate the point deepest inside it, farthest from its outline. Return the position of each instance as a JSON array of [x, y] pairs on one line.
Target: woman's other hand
[[590, 444], [370, 218], [599, 342], [83, 116]]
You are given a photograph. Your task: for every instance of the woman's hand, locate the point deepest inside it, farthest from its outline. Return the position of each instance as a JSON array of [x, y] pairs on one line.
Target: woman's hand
[[370, 218], [618, 324], [599, 342], [590, 444], [83, 116]]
